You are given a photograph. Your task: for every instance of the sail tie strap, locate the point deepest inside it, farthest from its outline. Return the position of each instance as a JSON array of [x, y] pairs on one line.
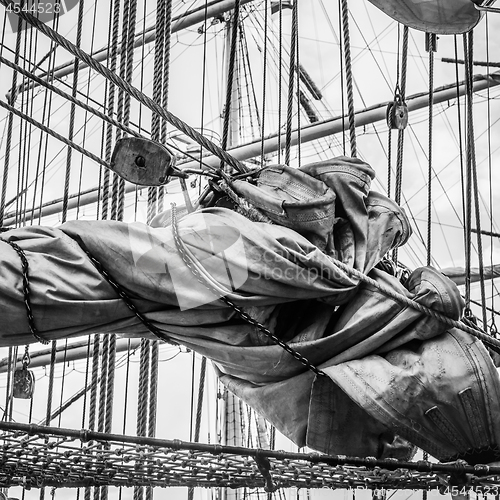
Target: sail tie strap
[[122, 293], [26, 291], [188, 261]]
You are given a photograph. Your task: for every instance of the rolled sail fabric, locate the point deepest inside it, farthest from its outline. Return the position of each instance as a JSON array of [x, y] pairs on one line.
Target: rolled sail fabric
[[445, 17]]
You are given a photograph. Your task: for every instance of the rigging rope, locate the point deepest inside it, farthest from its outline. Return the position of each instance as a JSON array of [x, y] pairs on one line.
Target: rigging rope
[[431, 47], [234, 28], [74, 88], [401, 89], [280, 76], [158, 74], [10, 121], [468, 175], [93, 391], [402, 93], [136, 93], [114, 23], [493, 327], [299, 92], [472, 165], [155, 199], [199, 408], [264, 84], [148, 380], [123, 107], [349, 79], [166, 80], [291, 81]]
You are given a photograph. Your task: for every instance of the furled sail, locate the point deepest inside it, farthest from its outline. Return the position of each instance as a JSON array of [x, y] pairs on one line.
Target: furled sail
[[446, 17], [387, 375]]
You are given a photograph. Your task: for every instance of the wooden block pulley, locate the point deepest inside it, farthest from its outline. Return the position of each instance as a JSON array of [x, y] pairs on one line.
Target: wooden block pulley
[[143, 162], [23, 384]]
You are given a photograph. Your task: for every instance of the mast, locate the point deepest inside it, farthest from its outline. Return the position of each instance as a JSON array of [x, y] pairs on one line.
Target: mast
[[231, 415]]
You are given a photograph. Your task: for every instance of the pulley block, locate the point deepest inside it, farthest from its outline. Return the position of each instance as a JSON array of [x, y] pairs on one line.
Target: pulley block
[[23, 383], [143, 162], [397, 114]]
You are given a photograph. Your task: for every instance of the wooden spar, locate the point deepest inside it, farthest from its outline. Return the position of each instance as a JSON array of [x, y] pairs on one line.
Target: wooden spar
[[178, 23], [315, 131], [365, 117], [73, 352]]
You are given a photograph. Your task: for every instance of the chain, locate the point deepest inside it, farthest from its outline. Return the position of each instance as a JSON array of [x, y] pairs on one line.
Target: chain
[[243, 315], [26, 291], [26, 358], [124, 296]]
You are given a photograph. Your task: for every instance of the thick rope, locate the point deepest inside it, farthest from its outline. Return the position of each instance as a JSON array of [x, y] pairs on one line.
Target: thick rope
[[199, 410], [50, 390], [120, 114], [153, 388], [291, 83], [93, 393], [402, 92], [155, 199], [102, 492], [129, 29], [264, 85], [468, 174], [153, 399], [102, 388], [142, 409], [110, 104], [105, 117], [166, 63], [297, 76], [158, 89], [110, 383], [234, 27], [74, 90], [402, 299], [401, 85], [157, 96], [51, 132], [431, 42], [349, 79], [10, 123], [280, 76], [474, 187], [134, 92], [389, 162], [493, 327]]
